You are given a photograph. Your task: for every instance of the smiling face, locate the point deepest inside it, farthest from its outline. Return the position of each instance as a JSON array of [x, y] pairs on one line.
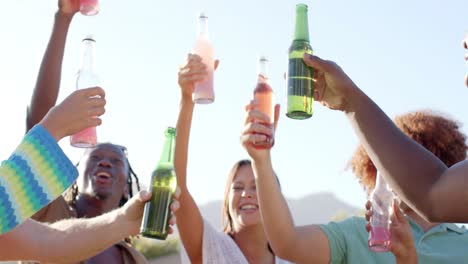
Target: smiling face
[[105, 173], [243, 204]]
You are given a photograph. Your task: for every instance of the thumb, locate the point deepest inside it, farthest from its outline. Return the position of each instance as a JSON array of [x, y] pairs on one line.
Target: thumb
[[143, 196], [316, 62]]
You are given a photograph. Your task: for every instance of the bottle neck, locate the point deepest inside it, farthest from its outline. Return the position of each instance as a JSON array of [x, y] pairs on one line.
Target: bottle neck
[[380, 183], [167, 156], [89, 53], [262, 69], [302, 25], [203, 26]]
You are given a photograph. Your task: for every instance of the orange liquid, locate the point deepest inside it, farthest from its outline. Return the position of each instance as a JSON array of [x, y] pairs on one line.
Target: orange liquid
[[265, 97]]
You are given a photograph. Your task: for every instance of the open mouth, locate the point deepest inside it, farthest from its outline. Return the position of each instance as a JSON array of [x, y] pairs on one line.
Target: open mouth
[[248, 207], [103, 177]]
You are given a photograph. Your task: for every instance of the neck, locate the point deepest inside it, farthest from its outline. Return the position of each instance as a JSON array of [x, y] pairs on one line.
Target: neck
[[90, 206], [425, 225], [253, 243]]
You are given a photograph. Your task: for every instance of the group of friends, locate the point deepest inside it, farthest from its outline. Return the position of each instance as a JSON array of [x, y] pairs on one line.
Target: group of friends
[[50, 214]]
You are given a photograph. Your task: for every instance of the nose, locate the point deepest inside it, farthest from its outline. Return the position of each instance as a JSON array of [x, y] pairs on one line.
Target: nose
[[105, 163], [248, 192]]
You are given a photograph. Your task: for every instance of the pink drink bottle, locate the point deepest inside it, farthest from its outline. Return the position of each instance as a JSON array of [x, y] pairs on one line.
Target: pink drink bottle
[[87, 77], [203, 92], [264, 95], [382, 202], [89, 7]]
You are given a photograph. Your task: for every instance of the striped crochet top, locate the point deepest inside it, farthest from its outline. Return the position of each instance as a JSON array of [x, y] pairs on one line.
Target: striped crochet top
[[34, 175]]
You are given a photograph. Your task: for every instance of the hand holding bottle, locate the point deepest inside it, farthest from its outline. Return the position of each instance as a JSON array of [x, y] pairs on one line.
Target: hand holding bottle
[[257, 136], [132, 211], [78, 111], [402, 241], [192, 72], [332, 85]]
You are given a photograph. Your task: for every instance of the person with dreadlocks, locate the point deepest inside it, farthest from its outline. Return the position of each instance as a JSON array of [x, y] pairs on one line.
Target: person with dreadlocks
[[106, 177]]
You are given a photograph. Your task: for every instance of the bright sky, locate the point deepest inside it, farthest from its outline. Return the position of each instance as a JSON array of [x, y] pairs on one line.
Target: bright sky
[[406, 55]]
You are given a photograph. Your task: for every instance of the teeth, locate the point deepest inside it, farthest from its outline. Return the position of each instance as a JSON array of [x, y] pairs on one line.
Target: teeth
[[248, 206], [103, 174]]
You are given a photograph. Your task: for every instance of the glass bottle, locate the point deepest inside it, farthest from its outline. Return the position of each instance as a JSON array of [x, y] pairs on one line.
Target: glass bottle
[[87, 77], [204, 92], [299, 78], [382, 202], [157, 213]]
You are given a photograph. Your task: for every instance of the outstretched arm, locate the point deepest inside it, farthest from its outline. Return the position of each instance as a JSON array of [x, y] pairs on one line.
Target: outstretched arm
[[189, 218], [306, 244], [48, 81], [72, 240], [419, 177]]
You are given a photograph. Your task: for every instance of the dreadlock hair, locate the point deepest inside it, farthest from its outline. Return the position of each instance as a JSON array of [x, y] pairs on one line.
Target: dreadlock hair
[[72, 193]]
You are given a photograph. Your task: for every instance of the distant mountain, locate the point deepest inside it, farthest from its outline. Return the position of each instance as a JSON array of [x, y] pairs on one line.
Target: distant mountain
[[318, 208]]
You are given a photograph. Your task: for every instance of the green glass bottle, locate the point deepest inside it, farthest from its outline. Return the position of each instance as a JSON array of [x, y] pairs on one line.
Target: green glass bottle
[[155, 223], [300, 84]]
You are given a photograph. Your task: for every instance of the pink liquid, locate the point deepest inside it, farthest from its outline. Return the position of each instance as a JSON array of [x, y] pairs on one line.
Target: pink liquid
[[89, 7], [84, 139], [379, 239], [204, 92]]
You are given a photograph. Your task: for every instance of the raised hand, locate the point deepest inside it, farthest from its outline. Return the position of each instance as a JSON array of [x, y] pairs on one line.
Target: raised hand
[[132, 211], [258, 136], [78, 111], [332, 85], [193, 71]]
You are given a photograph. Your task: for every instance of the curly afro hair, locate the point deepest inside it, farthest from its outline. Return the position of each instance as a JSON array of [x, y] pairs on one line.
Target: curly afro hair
[[438, 134]]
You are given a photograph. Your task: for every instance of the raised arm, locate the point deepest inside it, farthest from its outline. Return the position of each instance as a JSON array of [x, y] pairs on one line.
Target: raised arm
[[48, 81], [189, 218], [420, 178], [306, 244], [73, 240]]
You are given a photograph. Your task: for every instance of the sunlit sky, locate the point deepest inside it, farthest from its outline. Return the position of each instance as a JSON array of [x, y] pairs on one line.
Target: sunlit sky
[[406, 55]]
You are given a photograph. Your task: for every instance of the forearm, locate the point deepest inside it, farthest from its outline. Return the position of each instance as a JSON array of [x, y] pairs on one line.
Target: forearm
[[184, 123], [277, 220], [412, 259], [411, 170], [65, 241], [48, 81], [189, 219], [95, 235]]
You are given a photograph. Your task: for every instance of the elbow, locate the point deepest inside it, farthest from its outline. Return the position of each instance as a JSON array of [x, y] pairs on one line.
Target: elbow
[[282, 250]]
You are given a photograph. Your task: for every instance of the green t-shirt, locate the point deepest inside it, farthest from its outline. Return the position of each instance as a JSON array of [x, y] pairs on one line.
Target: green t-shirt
[[444, 243]]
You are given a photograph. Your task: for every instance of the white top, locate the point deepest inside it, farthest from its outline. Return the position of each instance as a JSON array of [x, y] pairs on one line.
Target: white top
[[220, 248]]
